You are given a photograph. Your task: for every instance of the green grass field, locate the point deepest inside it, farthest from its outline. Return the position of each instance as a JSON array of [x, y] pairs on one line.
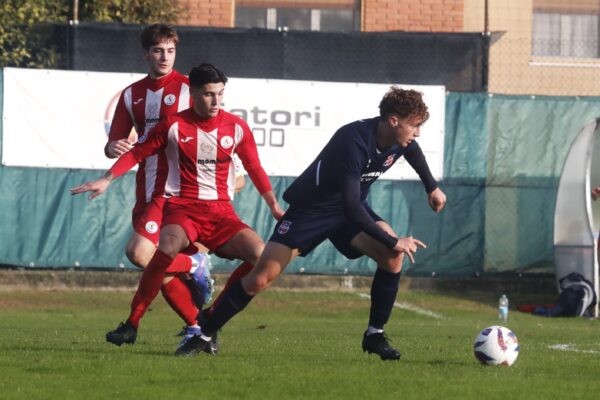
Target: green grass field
[[286, 345]]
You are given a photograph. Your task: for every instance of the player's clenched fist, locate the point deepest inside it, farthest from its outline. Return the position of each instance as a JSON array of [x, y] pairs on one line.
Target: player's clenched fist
[[436, 199]]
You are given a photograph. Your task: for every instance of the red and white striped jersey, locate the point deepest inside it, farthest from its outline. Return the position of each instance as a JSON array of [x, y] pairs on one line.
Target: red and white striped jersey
[[200, 155], [142, 105]]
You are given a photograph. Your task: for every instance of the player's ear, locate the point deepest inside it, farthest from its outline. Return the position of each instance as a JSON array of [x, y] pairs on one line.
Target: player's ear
[[393, 120]]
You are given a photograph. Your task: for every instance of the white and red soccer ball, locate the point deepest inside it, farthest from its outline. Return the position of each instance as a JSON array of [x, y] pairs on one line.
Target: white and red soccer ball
[[496, 345]]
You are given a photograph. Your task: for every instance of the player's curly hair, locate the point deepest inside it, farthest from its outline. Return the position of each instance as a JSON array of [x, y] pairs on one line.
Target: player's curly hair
[[404, 103], [154, 34]]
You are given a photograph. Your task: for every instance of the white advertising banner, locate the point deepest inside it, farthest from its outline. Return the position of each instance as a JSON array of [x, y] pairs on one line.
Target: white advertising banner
[[293, 120], [60, 119]]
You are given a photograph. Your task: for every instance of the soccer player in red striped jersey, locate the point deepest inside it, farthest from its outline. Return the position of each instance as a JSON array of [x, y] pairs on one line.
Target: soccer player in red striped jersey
[[141, 106], [199, 144]]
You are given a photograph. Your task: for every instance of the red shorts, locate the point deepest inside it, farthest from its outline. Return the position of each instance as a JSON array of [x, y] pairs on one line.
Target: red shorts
[[146, 220], [210, 222]]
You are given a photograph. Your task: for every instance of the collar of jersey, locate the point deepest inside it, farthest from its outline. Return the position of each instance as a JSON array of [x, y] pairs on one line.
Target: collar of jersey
[[208, 125], [155, 84]]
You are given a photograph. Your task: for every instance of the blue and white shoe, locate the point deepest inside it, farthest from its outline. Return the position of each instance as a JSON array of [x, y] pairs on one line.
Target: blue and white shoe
[[189, 332], [203, 283]]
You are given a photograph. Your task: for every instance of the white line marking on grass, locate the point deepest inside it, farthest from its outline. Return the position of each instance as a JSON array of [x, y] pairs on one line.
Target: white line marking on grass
[[410, 307], [570, 347]]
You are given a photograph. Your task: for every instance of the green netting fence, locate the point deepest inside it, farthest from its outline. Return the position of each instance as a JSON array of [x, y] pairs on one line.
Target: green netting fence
[[503, 159]]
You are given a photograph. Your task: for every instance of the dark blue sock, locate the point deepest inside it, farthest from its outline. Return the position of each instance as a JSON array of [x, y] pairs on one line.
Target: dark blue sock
[[232, 302], [383, 295]]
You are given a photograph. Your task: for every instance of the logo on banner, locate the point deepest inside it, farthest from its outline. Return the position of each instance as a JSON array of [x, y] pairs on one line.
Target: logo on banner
[[269, 126], [284, 227], [389, 161], [151, 227], [226, 142], [170, 99]]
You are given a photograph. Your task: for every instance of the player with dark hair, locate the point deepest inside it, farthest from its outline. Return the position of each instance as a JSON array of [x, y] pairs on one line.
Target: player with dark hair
[[141, 106], [328, 201], [199, 144]]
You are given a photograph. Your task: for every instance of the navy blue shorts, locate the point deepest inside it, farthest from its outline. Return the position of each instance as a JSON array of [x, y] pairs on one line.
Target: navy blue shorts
[[304, 228]]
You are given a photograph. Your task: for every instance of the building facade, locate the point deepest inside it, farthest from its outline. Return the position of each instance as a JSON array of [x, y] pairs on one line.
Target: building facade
[[539, 47]]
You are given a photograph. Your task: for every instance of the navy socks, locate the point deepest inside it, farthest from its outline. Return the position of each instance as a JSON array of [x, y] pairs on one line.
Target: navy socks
[[383, 295], [232, 302]]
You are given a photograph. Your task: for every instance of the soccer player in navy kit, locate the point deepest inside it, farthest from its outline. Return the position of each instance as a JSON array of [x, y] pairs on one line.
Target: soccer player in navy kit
[[328, 201]]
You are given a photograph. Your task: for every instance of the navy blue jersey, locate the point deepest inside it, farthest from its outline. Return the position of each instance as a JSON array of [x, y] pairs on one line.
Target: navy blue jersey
[[341, 175]]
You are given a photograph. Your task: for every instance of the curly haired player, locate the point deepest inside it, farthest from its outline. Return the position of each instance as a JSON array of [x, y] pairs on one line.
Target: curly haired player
[[329, 201]]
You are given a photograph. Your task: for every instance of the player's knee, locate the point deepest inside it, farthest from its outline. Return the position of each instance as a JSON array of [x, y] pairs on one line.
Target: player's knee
[[393, 263], [134, 259], [170, 244], [169, 249], [137, 255], [254, 254], [257, 252], [256, 284], [137, 259]]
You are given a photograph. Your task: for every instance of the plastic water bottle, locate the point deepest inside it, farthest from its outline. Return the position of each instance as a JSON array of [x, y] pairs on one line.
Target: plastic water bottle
[[503, 308]]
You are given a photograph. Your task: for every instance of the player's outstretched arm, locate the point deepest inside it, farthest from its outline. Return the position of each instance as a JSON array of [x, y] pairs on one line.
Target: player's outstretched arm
[[436, 199], [409, 246], [271, 201], [96, 187]]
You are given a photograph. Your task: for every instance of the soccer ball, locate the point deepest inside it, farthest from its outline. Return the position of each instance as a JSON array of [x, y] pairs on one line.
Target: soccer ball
[[496, 345]]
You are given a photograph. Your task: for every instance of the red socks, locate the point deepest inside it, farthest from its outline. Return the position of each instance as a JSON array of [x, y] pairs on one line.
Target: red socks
[[178, 296], [181, 263], [149, 285]]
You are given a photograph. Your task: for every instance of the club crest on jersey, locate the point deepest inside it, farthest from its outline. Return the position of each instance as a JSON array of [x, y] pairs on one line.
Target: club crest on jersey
[[170, 99], [226, 142], [206, 147], [389, 161], [151, 227], [284, 227]]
